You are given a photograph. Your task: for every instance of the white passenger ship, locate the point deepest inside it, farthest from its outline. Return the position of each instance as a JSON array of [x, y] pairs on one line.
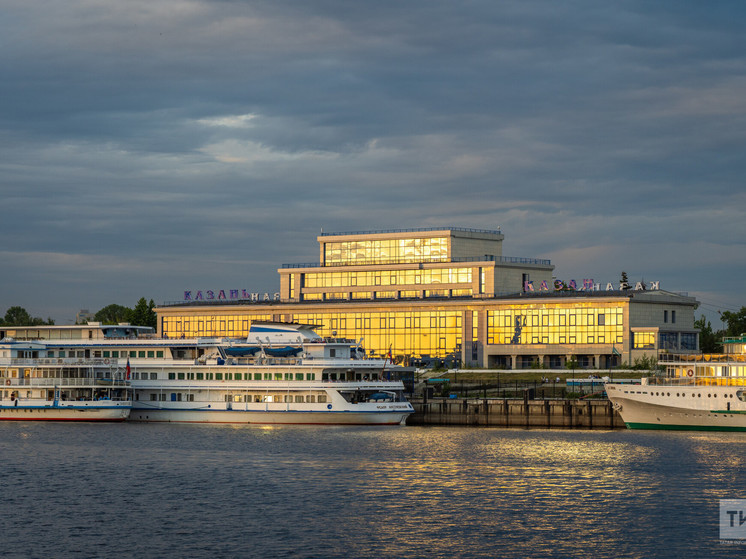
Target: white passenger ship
[[281, 373], [37, 387], [698, 392]]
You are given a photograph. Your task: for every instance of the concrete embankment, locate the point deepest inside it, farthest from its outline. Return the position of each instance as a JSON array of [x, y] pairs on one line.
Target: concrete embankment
[[517, 412]]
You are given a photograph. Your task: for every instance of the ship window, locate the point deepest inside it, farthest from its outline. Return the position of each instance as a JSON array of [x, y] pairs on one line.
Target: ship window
[[171, 376], [180, 376], [151, 354], [299, 399], [190, 397], [228, 376], [257, 376], [200, 376], [153, 397], [278, 376], [218, 376], [190, 376], [106, 354], [309, 376], [741, 395], [208, 376], [311, 399], [162, 397], [322, 398], [298, 376]]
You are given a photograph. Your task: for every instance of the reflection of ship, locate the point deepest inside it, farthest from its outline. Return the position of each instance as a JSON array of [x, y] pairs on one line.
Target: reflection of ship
[[706, 392], [281, 373], [48, 388]]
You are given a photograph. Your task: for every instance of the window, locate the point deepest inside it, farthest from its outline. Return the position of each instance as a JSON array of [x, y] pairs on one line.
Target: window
[[673, 317], [665, 316]]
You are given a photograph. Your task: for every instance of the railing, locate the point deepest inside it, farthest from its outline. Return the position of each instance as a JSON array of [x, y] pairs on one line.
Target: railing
[[435, 260], [35, 382], [701, 358], [412, 230], [62, 361]]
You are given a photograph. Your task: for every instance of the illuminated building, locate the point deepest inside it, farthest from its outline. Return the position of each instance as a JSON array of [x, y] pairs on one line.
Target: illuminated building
[[449, 293]]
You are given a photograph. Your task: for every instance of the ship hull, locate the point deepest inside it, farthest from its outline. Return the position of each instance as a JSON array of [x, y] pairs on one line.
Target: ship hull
[[270, 417], [679, 408], [77, 412]]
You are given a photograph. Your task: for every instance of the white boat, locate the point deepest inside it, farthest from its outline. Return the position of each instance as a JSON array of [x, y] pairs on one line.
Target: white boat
[[697, 392], [43, 388], [281, 373]]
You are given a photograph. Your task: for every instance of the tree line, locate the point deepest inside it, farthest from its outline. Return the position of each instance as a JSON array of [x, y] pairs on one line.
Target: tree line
[[143, 314], [711, 341]]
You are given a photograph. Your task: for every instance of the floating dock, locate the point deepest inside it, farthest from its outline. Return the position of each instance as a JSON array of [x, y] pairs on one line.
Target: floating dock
[[517, 412]]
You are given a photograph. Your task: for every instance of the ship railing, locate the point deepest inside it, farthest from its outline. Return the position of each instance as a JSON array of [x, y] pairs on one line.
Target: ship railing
[[65, 382], [62, 361], [697, 381], [700, 358]]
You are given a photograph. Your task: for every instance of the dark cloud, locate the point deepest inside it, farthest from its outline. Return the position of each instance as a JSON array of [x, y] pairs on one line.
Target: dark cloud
[[149, 147]]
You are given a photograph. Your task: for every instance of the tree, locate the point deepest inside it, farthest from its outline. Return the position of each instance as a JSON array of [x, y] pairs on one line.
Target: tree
[[709, 341], [18, 316], [143, 314], [736, 322], [113, 314], [624, 282]]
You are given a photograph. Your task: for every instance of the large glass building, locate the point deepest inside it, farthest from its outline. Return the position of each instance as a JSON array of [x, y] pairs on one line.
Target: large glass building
[[450, 294]]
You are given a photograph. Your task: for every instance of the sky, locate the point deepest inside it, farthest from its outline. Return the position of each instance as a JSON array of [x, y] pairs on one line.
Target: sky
[[152, 147]]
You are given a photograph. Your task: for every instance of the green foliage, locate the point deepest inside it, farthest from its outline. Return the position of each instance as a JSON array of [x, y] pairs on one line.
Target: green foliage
[[646, 363], [624, 281], [572, 363], [736, 322], [18, 316], [535, 364], [143, 314], [113, 314], [709, 341]]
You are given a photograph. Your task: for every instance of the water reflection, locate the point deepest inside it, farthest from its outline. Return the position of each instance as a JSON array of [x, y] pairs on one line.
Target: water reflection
[[202, 491]]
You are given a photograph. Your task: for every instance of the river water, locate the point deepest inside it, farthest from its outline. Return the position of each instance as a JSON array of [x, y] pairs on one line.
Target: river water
[[141, 490]]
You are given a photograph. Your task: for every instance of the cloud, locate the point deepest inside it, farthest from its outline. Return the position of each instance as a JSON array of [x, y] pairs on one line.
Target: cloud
[[148, 145]]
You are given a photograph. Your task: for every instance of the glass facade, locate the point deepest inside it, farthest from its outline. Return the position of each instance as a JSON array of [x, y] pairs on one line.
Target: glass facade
[[386, 251], [388, 278], [580, 323], [411, 333], [643, 340], [194, 326]]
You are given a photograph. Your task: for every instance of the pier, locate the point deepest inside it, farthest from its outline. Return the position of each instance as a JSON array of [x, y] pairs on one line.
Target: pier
[[560, 413]]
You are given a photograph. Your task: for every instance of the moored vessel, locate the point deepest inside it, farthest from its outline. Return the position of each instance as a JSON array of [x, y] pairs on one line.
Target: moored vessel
[[280, 373], [696, 392], [37, 386]]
